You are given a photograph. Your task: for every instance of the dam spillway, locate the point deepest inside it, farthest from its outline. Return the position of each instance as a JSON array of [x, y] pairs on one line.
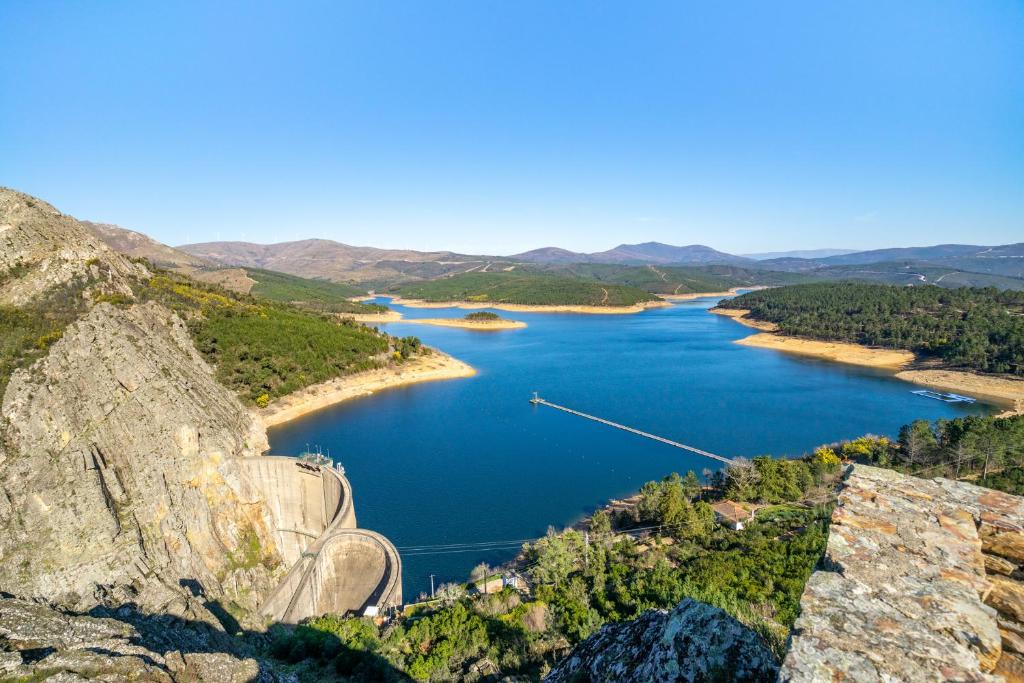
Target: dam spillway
[[334, 567]]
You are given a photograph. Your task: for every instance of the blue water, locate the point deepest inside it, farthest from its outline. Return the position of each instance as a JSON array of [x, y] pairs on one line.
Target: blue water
[[471, 461]]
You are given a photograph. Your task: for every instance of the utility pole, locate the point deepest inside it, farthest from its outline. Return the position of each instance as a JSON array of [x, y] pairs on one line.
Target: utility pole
[[586, 549], [431, 586]]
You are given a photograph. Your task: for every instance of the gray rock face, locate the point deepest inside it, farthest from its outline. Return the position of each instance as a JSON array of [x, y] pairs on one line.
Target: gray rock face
[[47, 249], [693, 642], [904, 594], [40, 643], [119, 485]]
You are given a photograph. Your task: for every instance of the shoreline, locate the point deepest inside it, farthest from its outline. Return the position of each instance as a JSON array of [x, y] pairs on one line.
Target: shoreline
[[739, 315], [530, 308], [386, 317], [704, 295], [840, 352], [482, 325], [1005, 392], [434, 366]]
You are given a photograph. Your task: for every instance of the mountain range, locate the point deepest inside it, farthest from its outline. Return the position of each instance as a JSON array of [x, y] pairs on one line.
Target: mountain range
[[340, 262]]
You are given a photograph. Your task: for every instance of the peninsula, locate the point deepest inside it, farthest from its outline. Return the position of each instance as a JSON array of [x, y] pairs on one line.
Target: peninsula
[[426, 367], [922, 332]]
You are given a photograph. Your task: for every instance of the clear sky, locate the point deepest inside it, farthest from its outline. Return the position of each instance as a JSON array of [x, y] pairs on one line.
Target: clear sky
[[494, 127]]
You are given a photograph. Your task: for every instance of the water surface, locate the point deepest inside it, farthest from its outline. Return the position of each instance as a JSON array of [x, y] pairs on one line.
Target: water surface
[[472, 461]]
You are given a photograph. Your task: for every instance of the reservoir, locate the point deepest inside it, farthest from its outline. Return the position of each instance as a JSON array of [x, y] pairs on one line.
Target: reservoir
[[459, 472]]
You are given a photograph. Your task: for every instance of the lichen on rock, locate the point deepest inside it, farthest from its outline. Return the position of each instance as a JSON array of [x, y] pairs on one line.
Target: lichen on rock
[[693, 642]]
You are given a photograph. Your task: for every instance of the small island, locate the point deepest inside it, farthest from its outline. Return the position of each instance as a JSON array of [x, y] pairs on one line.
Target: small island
[[479, 320]]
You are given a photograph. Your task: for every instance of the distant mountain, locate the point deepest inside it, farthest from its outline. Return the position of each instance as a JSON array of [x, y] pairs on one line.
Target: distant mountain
[[551, 255], [800, 253], [939, 251], [647, 253], [656, 252], [330, 260], [137, 245]]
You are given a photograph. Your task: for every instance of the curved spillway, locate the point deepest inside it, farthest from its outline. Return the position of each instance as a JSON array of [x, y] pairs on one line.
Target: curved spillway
[[334, 568]]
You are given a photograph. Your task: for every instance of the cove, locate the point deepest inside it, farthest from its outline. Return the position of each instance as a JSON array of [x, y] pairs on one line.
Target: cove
[[472, 461]]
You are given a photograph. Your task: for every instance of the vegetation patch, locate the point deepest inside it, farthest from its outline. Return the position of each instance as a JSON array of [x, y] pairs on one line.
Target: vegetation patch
[[26, 333], [528, 288], [320, 295], [988, 451], [483, 317], [264, 349]]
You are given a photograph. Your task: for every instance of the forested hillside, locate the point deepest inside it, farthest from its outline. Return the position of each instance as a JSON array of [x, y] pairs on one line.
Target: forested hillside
[[526, 288], [264, 349], [980, 329], [669, 280], [314, 294]]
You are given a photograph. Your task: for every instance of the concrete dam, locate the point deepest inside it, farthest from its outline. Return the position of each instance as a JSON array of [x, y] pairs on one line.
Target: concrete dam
[[334, 567]]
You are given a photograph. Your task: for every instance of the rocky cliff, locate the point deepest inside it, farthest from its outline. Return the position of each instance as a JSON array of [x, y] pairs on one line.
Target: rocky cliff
[[118, 477]]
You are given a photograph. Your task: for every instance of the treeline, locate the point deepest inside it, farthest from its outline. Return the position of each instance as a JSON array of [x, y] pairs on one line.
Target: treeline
[[525, 288], [988, 451], [981, 329]]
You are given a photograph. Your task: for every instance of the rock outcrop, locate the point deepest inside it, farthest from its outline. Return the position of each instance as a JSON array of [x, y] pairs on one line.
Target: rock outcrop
[[907, 590], [694, 642], [118, 481], [42, 249], [122, 485], [38, 642]]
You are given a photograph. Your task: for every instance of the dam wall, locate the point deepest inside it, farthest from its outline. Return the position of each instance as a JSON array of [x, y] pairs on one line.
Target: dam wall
[[355, 569], [334, 568], [304, 500]]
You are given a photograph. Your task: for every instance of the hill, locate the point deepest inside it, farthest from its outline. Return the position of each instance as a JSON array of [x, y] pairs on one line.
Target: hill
[[979, 329], [1002, 260], [633, 254], [330, 260], [799, 253], [677, 280], [525, 288]]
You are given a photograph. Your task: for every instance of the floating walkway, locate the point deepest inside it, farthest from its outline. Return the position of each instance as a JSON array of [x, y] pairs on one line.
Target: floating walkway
[[537, 400], [944, 397]]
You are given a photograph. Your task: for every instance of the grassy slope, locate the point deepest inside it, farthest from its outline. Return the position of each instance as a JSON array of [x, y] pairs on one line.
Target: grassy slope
[[527, 288]]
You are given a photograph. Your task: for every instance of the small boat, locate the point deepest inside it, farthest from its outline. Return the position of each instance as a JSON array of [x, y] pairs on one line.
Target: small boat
[[943, 396]]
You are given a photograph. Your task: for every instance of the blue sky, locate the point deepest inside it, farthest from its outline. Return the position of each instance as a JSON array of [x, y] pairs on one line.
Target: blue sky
[[494, 127]]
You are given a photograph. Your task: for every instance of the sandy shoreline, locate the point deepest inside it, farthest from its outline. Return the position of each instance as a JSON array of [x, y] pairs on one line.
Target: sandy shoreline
[[485, 325], [385, 317], [470, 305], [704, 295], [739, 315], [840, 352], [427, 368], [1004, 391]]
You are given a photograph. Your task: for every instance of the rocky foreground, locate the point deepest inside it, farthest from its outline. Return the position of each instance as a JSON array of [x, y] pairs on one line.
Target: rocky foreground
[[921, 581]]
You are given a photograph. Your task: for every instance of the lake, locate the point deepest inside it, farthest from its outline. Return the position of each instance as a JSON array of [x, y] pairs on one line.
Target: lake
[[440, 465]]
